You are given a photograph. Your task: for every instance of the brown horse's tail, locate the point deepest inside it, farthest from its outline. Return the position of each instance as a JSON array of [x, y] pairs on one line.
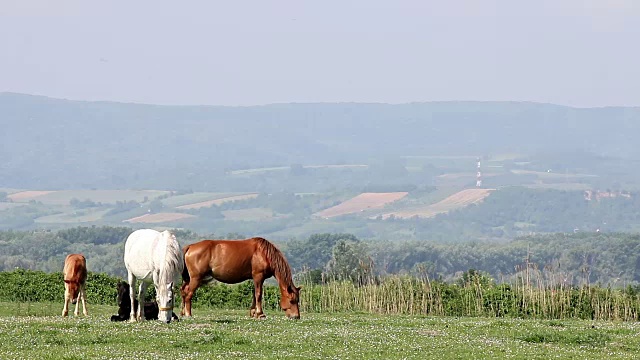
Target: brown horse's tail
[[185, 272]]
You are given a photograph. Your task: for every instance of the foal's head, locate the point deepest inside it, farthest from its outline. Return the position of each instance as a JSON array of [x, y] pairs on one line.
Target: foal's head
[[72, 288], [289, 302]]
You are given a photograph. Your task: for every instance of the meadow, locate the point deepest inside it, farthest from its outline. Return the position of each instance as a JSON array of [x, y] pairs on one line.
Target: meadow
[[36, 331]]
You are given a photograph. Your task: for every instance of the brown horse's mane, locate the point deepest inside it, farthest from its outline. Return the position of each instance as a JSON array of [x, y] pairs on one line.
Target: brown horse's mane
[[276, 259]]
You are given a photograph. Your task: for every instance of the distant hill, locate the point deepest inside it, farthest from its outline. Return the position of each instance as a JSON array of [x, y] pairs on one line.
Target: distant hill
[[52, 144]]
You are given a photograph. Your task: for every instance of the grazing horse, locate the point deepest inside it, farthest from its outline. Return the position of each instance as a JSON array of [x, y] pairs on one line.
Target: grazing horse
[[234, 261], [152, 256], [124, 305], [75, 280]]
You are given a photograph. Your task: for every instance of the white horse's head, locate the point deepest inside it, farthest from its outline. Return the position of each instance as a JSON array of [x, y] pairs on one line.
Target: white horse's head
[[172, 266], [165, 302]]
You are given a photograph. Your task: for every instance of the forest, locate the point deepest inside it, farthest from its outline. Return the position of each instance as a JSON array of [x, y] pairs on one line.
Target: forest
[[581, 258]]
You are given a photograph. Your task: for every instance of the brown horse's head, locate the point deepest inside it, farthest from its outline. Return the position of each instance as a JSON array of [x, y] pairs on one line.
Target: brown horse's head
[[289, 302], [72, 289]]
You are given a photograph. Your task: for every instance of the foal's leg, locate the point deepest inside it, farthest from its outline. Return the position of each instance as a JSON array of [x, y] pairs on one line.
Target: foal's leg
[[83, 295], [132, 297], [257, 297], [76, 311], [65, 308]]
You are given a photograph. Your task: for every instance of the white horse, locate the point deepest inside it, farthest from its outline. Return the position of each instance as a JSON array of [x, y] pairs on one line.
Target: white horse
[[155, 256]]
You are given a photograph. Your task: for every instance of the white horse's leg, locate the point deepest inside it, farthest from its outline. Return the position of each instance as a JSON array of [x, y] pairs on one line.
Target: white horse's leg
[[141, 294], [132, 296]]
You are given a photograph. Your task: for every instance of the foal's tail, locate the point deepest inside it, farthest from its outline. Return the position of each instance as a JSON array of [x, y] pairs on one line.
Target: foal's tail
[[185, 272]]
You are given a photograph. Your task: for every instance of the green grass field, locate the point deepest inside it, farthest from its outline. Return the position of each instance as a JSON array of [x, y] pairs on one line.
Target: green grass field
[[9, 190], [8, 205], [251, 214], [36, 331], [72, 216], [104, 196], [195, 197]]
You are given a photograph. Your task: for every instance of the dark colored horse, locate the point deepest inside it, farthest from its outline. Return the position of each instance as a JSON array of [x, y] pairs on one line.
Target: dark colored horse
[[234, 261], [124, 306]]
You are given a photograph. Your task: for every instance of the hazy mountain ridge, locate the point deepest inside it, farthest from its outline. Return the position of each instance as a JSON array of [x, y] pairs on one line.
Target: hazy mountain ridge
[[51, 143]]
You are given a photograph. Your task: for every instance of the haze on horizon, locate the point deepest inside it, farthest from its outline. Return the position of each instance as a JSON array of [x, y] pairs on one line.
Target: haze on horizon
[[579, 53]]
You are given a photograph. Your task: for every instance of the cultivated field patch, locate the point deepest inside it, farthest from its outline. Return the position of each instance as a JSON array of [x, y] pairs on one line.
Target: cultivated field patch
[[9, 205], [459, 175], [458, 200], [252, 214], [344, 166], [223, 200], [568, 186], [362, 202], [26, 196], [256, 171], [103, 196], [196, 197], [551, 174], [159, 218], [10, 190], [74, 216]]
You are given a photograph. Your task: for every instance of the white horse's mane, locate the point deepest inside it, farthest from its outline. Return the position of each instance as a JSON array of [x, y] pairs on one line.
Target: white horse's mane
[[173, 262]]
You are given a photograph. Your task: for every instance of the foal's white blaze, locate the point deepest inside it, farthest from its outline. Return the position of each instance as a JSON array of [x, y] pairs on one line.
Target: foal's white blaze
[[153, 257]]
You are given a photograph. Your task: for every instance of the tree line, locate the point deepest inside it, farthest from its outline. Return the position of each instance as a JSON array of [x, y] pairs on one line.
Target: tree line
[[605, 258]]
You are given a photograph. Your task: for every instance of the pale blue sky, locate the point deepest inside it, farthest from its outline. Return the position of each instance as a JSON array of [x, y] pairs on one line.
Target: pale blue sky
[[571, 52]]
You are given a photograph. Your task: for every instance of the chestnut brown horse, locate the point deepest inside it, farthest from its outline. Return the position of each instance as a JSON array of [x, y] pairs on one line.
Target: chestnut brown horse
[[234, 261], [75, 279]]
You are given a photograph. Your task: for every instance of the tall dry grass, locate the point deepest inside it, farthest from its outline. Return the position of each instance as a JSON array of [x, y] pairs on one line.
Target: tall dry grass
[[530, 293]]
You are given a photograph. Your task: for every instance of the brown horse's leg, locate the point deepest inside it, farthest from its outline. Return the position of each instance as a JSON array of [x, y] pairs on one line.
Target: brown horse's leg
[[252, 310], [183, 294], [257, 297], [187, 291]]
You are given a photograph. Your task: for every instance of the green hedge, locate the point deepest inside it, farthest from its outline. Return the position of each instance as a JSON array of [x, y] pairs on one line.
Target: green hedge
[[37, 286]]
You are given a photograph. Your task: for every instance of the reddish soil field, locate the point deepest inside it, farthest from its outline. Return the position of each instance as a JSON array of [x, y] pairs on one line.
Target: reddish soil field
[[362, 202], [24, 196], [455, 201]]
